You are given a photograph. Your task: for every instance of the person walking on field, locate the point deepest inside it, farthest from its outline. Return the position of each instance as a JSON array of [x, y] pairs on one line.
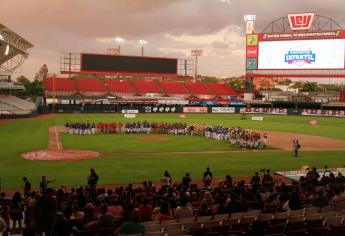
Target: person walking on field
[[296, 146]]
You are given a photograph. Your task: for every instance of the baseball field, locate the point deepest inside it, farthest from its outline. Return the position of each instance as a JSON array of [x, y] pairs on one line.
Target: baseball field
[[136, 158]]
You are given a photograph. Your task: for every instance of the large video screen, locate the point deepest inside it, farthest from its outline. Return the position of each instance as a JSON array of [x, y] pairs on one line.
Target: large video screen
[[110, 63], [302, 54]]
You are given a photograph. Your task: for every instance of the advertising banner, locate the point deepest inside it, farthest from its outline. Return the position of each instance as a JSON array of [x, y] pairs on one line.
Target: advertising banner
[[223, 110], [318, 112], [129, 111], [274, 111], [195, 109]]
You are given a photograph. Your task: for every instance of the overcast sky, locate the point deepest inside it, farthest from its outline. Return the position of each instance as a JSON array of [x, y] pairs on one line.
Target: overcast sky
[[172, 27]]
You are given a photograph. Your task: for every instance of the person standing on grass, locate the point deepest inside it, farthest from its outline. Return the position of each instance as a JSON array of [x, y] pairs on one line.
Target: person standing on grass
[[296, 146], [44, 184], [27, 186], [207, 179]]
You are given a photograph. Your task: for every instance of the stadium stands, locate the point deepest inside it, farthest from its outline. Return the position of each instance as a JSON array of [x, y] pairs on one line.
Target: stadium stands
[[146, 86], [221, 89], [91, 87], [15, 105], [123, 88], [120, 87], [173, 87], [62, 86], [199, 89]]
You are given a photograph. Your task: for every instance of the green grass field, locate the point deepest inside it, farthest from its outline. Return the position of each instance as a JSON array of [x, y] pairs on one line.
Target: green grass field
[[114, 166]]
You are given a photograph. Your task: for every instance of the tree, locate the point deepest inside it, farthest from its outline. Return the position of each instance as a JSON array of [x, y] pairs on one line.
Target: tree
[[285, 82], [32, 88], [237, 83], [297, 85], [310, 87], [42, 73]]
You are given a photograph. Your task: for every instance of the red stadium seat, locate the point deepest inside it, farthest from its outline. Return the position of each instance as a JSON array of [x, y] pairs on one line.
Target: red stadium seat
[[91, 86], [59, 85], [198, 88], [221, 89], [120, 86], [146, 86], [173, 87]]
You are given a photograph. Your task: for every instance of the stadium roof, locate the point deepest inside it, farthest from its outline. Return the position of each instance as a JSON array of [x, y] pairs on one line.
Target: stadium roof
[[14, 49]]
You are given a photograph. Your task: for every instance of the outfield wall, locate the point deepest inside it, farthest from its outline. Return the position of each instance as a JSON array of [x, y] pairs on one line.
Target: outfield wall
[[164, 109]]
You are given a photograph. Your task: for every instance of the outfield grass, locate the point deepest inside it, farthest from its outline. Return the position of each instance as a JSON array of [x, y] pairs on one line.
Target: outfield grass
[[25, 135]]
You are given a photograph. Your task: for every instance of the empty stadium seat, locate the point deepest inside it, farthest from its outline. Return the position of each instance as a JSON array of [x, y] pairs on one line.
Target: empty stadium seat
[[120, 86], [146, 86], [198, 88], [59, 85], [221, 89], [173, 87], [91, 86]]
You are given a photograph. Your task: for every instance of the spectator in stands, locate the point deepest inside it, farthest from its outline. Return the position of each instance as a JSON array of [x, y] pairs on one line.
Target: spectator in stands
[[27, 186], [133, 226], [255, 180], [185, 210], [64, 225], [267, 180], [166, 180], [186, 181], [338, 201], [207, 178], [106, 219], [146, 210], [165, 213], [16, 211], [320, 200], [44, 212]]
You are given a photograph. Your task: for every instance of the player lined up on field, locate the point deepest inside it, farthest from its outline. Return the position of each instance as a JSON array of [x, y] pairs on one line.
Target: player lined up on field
[[234, 135]]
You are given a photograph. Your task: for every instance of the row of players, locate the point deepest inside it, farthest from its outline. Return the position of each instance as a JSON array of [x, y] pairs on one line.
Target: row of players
[[235, 135]]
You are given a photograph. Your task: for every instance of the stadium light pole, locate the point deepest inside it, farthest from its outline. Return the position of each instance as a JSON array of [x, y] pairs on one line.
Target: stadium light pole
[[196, 53], [142, 42], [119, 40]]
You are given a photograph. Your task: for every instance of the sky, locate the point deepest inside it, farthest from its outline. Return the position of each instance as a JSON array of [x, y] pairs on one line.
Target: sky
[[172, 28]]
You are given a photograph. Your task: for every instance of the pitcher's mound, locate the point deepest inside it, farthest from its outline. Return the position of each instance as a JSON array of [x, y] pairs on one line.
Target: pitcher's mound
[[60, 155], [154, 138]]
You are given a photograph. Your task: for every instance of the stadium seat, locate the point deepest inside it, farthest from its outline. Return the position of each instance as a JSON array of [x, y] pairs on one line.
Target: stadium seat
[[173, 88], [198, 89], [146, 86], [61, 86], [121, 87], [221, 89], [93, 87]]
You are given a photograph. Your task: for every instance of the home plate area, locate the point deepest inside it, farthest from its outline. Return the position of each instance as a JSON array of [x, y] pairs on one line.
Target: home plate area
[[60, 155]]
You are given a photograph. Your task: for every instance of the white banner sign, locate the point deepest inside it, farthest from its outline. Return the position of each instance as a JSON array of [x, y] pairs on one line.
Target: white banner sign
[[128, 111], [259, 118], [223, 110], [130, 116]]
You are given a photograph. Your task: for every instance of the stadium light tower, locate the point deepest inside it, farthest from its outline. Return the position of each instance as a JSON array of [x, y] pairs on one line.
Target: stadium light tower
[[249, 19], [196, 53], [142, 42], [119, 40]]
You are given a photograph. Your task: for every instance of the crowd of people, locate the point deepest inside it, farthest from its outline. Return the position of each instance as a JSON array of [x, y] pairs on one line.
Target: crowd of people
[[80, 128], [234, 135], [60, 211]]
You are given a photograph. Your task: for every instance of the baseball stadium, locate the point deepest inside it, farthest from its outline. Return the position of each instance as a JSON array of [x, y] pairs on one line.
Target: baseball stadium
[[123, 144]]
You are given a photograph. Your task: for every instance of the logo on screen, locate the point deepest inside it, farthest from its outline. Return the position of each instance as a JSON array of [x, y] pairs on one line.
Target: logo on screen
[[301, 21], [300, 57]]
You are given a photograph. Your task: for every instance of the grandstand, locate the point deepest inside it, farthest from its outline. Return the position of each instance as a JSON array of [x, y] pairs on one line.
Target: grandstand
[[139, 88], [15, 106]]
